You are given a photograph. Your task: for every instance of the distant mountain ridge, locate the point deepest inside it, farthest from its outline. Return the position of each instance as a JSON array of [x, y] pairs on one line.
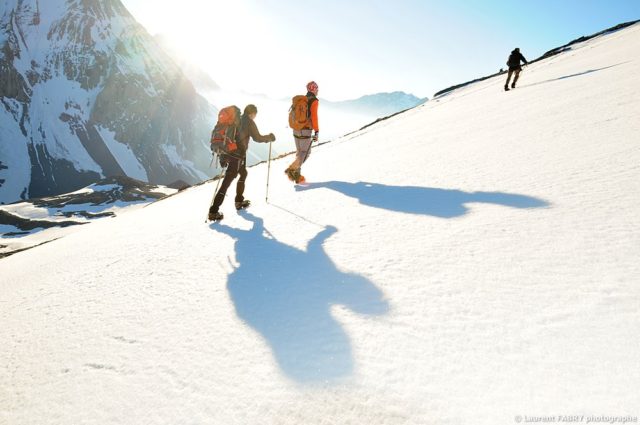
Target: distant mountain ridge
[[86, 93], [379, 104]]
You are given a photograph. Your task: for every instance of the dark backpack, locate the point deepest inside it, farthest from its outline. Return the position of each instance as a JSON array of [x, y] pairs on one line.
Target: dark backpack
[[514, 60], [225, 134]]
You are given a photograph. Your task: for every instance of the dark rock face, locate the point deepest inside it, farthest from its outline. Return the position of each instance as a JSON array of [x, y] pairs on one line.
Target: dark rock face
[[179, 185], [52, 176], [86, 93], [25, 225], [107, 191]]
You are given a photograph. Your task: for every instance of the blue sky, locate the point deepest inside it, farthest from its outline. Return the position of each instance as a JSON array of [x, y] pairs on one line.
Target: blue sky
[[352, 48]]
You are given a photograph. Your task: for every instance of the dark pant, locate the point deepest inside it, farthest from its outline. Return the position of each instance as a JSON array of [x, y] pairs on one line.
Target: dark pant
[[515, 71], [236, 166]]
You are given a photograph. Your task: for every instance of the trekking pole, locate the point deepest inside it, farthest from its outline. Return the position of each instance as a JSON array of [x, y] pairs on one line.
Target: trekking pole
[[266, 199], [222, 172], [219, 176]]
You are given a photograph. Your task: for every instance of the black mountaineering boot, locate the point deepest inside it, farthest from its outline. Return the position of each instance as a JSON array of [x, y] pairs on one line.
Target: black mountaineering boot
[[215, 216], [240, 205]]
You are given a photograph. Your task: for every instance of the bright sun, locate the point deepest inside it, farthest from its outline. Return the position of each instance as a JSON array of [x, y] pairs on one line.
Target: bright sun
[[202, 33], [235, 41]]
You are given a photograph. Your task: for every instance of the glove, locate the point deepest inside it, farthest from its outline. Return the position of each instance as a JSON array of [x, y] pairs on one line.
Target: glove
[[272, 137], [315, 136], [224, 161]]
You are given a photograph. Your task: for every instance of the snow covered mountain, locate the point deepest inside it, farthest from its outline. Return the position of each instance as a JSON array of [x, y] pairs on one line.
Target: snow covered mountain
[[86, 93], [493, 279]]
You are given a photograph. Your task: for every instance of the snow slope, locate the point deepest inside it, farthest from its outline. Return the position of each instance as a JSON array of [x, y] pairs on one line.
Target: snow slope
[[468, 261]]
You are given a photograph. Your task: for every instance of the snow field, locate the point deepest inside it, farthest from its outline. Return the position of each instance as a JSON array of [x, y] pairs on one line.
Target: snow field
[[468, 261]]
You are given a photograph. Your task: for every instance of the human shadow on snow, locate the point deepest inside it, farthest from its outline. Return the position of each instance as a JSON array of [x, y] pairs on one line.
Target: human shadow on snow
[[286, 295], [443, 203]]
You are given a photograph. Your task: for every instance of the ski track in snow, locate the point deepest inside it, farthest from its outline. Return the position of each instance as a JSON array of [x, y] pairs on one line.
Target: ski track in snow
[[473, 259]]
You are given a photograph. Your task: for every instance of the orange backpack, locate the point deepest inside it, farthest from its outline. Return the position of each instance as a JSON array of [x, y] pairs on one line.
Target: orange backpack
[[299, 113], [223, 136]]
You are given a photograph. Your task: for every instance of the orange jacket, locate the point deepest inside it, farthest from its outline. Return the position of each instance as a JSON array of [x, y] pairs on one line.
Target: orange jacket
[[314, 111]]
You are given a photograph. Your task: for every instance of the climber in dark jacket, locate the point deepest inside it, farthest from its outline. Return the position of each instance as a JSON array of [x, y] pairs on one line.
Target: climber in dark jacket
[[236, 163], [514, 67]]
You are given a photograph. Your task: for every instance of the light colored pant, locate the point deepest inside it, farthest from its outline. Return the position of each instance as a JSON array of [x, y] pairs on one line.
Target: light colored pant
[[303, 147]]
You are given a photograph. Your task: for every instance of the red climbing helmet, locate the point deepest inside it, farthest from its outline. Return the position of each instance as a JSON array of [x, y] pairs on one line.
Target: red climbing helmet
[[312, 87]]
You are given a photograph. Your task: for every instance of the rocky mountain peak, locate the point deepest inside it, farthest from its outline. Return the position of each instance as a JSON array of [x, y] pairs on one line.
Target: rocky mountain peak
[[87, 93]]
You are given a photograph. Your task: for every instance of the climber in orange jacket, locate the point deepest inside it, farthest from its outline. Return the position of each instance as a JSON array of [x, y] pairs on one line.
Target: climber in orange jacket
[[306, 136]]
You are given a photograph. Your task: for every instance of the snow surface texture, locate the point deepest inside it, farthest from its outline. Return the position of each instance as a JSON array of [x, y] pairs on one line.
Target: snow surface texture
[[465, 262]]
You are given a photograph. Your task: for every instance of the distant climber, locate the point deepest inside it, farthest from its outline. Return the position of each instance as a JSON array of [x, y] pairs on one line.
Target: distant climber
[[303, 119], [236, 162], [514, 67]]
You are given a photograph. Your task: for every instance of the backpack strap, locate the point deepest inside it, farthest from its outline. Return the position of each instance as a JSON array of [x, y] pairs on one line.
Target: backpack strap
[[310, 99]]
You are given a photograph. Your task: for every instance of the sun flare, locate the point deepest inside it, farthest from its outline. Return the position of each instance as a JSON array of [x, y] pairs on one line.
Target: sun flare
[[204, 34]]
